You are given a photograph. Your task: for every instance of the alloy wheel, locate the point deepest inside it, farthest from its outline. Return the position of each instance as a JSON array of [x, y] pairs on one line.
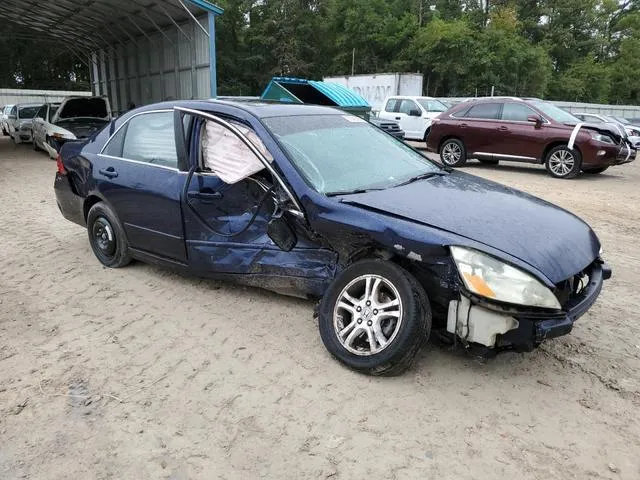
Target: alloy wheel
[[561, 163], [367, 315], [451, 153]]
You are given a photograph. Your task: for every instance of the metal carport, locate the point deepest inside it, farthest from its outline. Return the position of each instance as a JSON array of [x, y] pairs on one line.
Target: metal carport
[[137, 51]]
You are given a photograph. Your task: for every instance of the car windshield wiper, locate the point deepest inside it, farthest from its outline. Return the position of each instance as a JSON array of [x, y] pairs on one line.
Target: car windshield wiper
[[422, 176], [351, 192]]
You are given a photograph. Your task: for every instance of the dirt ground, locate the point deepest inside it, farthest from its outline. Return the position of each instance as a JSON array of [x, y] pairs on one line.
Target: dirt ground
[[140, 373]]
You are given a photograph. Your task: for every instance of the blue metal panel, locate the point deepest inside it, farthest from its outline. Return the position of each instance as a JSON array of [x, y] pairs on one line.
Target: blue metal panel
[[208, 6], [212, 54], [340, 94]]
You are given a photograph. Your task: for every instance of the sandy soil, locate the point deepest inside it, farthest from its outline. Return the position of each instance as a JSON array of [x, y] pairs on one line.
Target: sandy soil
[[140, 373]]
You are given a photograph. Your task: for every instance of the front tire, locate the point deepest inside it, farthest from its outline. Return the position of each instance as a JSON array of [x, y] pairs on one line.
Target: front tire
[[561, 162], [594, 171], [374, 317], [453, 153], [106, 236]]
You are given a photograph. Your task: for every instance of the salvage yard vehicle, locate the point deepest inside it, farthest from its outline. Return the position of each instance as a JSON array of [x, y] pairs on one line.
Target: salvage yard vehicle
[[311, 201], [495, 129], [392, 128], [414, 114], [41, 123], [633, 133], [76, 118], [4, 117], [20, 121]]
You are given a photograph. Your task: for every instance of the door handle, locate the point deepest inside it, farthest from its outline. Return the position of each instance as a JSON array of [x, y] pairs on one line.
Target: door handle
[[108, 172], [463, 125], [204, 197], [398, 118], [503, 129]]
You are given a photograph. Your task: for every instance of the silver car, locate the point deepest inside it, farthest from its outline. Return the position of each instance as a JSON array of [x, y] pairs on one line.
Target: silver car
[[20, 122], [4, 117]]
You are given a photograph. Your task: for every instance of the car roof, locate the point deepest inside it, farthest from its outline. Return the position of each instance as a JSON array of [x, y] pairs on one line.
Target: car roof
[[21, 105], [258, 109]]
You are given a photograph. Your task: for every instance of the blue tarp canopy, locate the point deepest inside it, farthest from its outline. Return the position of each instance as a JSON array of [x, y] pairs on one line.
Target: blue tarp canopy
[[299, 90]]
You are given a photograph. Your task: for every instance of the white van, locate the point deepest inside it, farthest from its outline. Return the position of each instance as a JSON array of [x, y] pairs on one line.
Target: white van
[[414, 114]]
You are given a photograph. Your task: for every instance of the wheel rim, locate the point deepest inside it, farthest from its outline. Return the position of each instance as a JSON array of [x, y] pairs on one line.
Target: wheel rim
[[451, 153], [561, 162], [103, 237], [367, 315]]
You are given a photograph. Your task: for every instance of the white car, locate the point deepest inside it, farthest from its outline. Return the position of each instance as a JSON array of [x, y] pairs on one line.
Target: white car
[[414, 114], [76, 118], [20, 121], [4, 117]]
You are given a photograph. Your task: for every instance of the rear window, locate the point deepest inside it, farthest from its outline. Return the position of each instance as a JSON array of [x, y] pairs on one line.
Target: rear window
[[84, 107], [489, 111]]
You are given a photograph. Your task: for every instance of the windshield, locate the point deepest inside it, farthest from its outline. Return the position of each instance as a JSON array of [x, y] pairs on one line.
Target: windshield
[[29, 112], [555, 113], [342, 153], [431, 105]]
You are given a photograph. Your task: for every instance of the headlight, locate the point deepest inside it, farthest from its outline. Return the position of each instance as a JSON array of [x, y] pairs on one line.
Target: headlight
[[63, 136], [598, 137], [488, 277]]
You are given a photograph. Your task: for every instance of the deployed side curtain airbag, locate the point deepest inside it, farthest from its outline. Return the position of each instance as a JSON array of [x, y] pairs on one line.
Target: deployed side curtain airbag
[[228, 156]]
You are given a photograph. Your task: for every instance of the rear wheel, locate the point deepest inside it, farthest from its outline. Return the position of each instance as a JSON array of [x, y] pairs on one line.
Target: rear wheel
[[374, 318], [594, 171], [106, 236], [453, 153], [561, 162]]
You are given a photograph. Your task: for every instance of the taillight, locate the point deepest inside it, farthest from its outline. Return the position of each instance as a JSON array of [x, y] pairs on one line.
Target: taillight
[[61, 169]]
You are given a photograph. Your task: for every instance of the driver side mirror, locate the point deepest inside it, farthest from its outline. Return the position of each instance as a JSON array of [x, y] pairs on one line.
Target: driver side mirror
[[537, 119], [415, 113], [281, 233]]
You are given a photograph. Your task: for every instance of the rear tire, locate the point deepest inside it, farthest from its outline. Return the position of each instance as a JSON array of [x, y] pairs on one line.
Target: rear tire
[[453, 153], [594, 171], [561, 162], [370, 337], [106, 236]]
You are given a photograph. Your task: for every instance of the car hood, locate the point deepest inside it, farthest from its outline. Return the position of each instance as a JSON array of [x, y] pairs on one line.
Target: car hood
[[555, 242]]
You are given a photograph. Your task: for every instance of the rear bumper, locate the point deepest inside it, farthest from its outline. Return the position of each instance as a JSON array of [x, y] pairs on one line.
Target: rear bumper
[[71, 204]]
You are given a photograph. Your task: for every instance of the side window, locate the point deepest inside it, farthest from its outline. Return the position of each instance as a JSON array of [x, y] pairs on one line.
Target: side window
[[516, 112], [226, 155], [487, 111], [116, 143], [407, 105], [42, 113], [150, 138], [391, 105]]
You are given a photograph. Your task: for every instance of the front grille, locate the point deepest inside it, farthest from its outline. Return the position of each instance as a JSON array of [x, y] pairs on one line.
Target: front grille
[[573, 287]]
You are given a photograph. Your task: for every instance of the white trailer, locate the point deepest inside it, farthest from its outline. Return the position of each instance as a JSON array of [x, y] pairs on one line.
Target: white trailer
[[374, 88]]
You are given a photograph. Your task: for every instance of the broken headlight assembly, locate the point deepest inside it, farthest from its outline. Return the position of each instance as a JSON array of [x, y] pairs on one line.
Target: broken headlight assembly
[[490, 278], [598, 137]]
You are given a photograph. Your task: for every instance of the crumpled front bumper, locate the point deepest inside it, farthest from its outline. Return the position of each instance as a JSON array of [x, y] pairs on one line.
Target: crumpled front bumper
[[533, 329]]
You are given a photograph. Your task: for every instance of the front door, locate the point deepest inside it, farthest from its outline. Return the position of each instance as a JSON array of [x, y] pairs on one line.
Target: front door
[[226, 222], [521, 140], [413, 125], [137, 173]]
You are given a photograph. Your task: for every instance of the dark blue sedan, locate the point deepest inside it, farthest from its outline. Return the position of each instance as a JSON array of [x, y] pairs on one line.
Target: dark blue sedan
[[311, 201]]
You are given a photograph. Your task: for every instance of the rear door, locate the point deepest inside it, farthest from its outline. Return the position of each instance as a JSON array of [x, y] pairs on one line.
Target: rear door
[[480, 130], [137, 173]]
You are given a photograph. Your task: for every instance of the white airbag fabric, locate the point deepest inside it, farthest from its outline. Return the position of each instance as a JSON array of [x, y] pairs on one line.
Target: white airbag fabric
[[228, 156]]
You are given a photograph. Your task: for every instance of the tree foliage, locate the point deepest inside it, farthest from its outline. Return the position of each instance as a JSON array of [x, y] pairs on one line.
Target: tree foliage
[[578, 50]]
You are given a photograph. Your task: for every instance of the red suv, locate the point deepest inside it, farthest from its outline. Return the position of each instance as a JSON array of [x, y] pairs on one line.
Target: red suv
[[526, 130]]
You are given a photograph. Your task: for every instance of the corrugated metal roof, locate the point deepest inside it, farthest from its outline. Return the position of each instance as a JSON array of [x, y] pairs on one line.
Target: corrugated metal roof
[[340, 94], [94, 24]]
